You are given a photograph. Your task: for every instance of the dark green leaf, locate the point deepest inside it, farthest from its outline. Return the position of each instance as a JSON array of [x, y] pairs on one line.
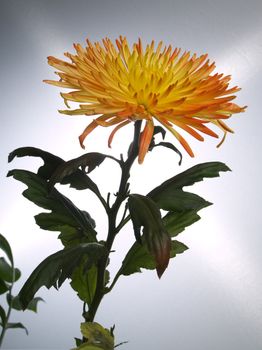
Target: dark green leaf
[[175, 223], [4, 287], [172, 147], [144, 213], [159, 130], [88, 160], [170, 196], [2, 315], [189, 177], [37, 191], [179, 200], [32, 306], [7, 272], [4, 245], [51, 161], [16, 325], [17, 305], [78, 180], [138, 257], [57, 267], [78, 341], [62, 208]]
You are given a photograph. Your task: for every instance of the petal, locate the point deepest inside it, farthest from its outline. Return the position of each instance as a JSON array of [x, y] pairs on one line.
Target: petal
[[145, 140]]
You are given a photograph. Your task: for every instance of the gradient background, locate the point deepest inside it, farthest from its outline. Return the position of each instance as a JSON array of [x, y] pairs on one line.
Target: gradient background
[[210, 298]]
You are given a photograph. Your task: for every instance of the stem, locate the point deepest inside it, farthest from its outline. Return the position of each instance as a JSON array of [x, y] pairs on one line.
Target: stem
[[112, 228], [9, 296]]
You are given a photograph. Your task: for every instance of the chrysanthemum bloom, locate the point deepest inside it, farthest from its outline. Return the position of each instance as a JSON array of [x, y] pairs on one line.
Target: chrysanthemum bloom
[[155, 84]]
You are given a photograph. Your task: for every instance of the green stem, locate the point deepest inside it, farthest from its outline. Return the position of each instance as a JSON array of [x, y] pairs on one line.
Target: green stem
[[112, 228], [9, 296]]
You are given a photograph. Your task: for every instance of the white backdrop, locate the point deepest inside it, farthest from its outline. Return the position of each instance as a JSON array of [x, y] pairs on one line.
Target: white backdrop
[[210, 297]]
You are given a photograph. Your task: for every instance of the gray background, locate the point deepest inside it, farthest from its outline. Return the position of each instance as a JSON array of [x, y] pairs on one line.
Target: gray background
[[210, 297]]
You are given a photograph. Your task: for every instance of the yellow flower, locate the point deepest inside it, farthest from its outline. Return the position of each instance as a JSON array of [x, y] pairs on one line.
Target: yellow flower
[[151, 84]]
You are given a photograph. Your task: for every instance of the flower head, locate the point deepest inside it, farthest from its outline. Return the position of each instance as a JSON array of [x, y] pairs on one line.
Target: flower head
[[151, 84]]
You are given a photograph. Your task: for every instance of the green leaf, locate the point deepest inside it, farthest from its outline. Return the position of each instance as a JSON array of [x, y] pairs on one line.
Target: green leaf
[[189, 177], [178, 200], [17, 305], [84, 283], [144, 213], [176, 222], [159, 130], [16, 325], [4, 287], [57, 267], [64, 212], [7, 272], [4, 245], [172, 147], [86, 346], [138, 257], [2, 315], [78, 180], [97, 335], [88, 160]]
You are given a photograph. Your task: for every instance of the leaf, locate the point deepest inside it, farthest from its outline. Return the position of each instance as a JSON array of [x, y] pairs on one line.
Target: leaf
[[78, 341], [178, 200], [16, 325], [97, 336], [17, 305], [86, 346], [78, 180], [144, 213], [138, 257], [176, 222], [172, 147], [57, 267], [7, 272], [64, 212], [170, 195], [189, 177], [89, 160], [159, 130], [3, 287], [3, 316], [4, 245], [84, 283]]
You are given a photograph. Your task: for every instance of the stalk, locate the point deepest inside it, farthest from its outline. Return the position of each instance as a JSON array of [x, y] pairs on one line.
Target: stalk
[[112, 228]]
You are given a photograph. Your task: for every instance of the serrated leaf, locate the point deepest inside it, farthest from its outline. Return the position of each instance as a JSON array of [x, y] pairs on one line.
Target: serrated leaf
[[144, 213], [17, 305], [189, 177], [138, 257], [7, 272], [179, 200], [2, 315], [62, 208], [4, 245], [78, 180], [57, 267], [84, 283], [89, 160], [11, 325], [176, 222]]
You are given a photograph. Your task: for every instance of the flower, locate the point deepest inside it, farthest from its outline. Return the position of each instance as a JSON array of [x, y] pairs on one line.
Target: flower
[[151, 84]]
